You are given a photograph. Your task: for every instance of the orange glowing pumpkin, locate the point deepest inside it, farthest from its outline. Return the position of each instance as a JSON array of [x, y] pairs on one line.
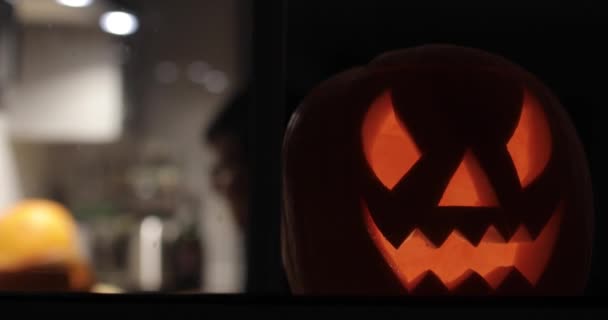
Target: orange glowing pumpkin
[[435, 170]]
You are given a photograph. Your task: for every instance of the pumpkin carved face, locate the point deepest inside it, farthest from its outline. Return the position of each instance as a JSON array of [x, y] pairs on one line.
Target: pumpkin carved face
[[437, 170], [478, 235]]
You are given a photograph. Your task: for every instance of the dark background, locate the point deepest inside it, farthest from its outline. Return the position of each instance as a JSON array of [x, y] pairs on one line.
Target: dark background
[[561, 42]]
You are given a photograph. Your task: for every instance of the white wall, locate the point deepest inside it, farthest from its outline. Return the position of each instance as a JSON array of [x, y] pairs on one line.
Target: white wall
[[69, 87], [10, 186]]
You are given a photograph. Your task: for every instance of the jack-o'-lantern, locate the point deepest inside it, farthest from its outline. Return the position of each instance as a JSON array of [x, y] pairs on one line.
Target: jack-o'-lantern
[[435, 170]]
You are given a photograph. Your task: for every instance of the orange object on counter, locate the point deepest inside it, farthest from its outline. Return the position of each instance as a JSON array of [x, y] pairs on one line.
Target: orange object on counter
[[39, 239]]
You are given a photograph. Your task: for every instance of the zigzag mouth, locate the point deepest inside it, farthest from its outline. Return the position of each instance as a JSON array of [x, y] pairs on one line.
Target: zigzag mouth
[[493, 259]]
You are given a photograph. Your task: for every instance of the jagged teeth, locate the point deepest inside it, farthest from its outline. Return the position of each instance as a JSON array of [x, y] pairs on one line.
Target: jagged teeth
[[534, 229], [470, 283], [521, 235], [491, 235], [438, 235], [502, 278], [498, 275], [474, 233]]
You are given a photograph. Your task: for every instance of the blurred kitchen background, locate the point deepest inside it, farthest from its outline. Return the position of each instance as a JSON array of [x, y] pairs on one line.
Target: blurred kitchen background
[[103, 106]]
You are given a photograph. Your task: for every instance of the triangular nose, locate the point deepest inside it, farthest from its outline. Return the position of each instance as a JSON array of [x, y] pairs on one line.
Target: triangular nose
[[469, 186]]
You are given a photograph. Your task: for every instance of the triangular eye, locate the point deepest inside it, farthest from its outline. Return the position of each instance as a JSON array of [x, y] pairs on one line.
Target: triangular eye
[[530, 145], [387, 144]]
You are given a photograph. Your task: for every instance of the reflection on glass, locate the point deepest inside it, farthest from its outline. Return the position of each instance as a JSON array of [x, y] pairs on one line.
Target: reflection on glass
[[102, 105]]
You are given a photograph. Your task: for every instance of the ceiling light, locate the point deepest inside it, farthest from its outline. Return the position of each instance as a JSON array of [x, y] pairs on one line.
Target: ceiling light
[[119, 23], [75, 3]]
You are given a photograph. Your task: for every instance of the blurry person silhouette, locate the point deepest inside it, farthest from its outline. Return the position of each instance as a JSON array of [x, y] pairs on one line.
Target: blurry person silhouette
[[227, 136]]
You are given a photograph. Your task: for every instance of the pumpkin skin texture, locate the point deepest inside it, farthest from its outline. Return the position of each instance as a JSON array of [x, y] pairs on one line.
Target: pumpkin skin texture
[[435, 170]]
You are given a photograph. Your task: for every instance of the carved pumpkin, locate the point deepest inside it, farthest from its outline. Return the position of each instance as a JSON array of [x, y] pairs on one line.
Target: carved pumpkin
[[435, 170]]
